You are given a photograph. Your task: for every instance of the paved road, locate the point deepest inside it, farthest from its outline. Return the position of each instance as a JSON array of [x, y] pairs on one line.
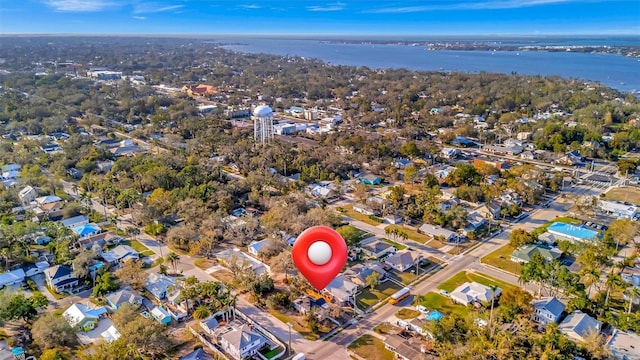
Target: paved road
[[458, 263]]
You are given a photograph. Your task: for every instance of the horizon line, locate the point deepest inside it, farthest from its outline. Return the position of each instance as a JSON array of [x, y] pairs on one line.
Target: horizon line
[[6, 34]]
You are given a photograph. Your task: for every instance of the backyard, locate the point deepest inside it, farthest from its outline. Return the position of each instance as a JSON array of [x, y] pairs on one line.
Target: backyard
[[299, 324], [371, 348], [398, 246], [370, 297], [501, 259], [348, 211], [623, 194], [463, 276], [416, 236], [433, 301]]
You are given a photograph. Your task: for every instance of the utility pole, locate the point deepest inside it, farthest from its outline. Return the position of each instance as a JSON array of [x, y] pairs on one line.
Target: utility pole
[[289, 325]]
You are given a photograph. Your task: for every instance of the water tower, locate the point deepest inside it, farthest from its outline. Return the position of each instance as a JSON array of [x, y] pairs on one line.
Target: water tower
[[262, 124]]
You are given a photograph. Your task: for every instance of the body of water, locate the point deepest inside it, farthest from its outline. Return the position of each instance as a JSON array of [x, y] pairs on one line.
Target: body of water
[[616, 71]]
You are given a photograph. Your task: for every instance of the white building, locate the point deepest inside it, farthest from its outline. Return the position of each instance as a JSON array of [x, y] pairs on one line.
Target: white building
[[469, 293], [241, 342], [619, 210]]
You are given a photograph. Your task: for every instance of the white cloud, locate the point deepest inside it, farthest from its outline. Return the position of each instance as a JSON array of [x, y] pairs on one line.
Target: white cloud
[[139, 17], [152, 7], [251, 6], [474, 5], [80, 5], [330, 7]]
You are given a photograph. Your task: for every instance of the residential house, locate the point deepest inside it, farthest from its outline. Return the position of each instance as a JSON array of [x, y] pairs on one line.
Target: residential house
[[449, 153], [126, 148], [528, 155], [35, 269], [402, 260], [75, 221], [86, 230], [157, 285], [402, 163], [341, 289], [209, 325], [197, 354], [10, 175], [60, 278], [122, 296], [42, 240], [524, 253], [74, 173], [547, 310], [83, 317], [120, 254], [111, 334], [255, 246], [491, 210], [631, 275], [27, 195], [12, 277], [161, 315], [199, 90], [407, 349], [11, 167], [578, 325], [241, 342], [371, 180], [474, 221], [469, 293], [358, 273], [304, 304], [624, 345], [438, 232], [104, 166], [364, 209], [377, 248], [49, 199], [511, 150], [239, 258]]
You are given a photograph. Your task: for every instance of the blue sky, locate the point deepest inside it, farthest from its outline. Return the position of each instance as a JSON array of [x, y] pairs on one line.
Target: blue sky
[[321, 17]]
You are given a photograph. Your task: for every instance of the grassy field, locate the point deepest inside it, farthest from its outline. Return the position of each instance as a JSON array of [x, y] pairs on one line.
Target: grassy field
[[406, 314], [413, 235], [136, 245], [370, 297], [395, 244], [404, 277], [348, 211], [501, 259], [371, 348], [629, 194], [463, 276], [433, 301]]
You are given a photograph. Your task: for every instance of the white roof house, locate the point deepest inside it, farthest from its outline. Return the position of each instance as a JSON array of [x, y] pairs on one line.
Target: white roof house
[[578, 324], [43, 200], [111, 334], [468, 293], [77, 313], [436, 231], [12, 277], [341, 288], [624, 345]]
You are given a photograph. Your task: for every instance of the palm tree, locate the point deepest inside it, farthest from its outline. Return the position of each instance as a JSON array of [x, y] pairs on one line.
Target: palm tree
[[201, 312], [633, 294], [493, 300], [589, 277], [614, 282], [173, 258], [85, 198]]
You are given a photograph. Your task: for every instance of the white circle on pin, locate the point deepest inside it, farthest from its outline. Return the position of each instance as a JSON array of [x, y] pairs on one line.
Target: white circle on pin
[[319, 253]]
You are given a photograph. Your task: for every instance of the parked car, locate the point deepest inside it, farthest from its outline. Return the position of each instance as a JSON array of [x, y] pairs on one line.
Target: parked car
[[444, 293], [422, 309]]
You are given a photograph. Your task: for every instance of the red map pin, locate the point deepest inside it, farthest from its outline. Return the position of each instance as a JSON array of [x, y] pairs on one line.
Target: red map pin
[[319, 253]]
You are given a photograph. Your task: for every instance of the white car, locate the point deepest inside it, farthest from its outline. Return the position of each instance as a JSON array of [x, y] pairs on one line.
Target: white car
[[422, 309], [444, 292]]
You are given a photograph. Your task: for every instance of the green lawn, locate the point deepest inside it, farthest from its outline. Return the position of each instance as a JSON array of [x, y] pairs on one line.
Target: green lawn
[[136, 245], [371, 348], [412, 234], [370, 297], [395, 244], [463, 277], [348, 211], [501, 259], [433, 301], [406, 314], [405, 277], [563, 219]]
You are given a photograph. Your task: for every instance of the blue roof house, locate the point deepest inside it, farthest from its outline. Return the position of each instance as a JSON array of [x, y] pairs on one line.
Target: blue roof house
[[371, 180], [161, 315], [157, 285], [87, 230]]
